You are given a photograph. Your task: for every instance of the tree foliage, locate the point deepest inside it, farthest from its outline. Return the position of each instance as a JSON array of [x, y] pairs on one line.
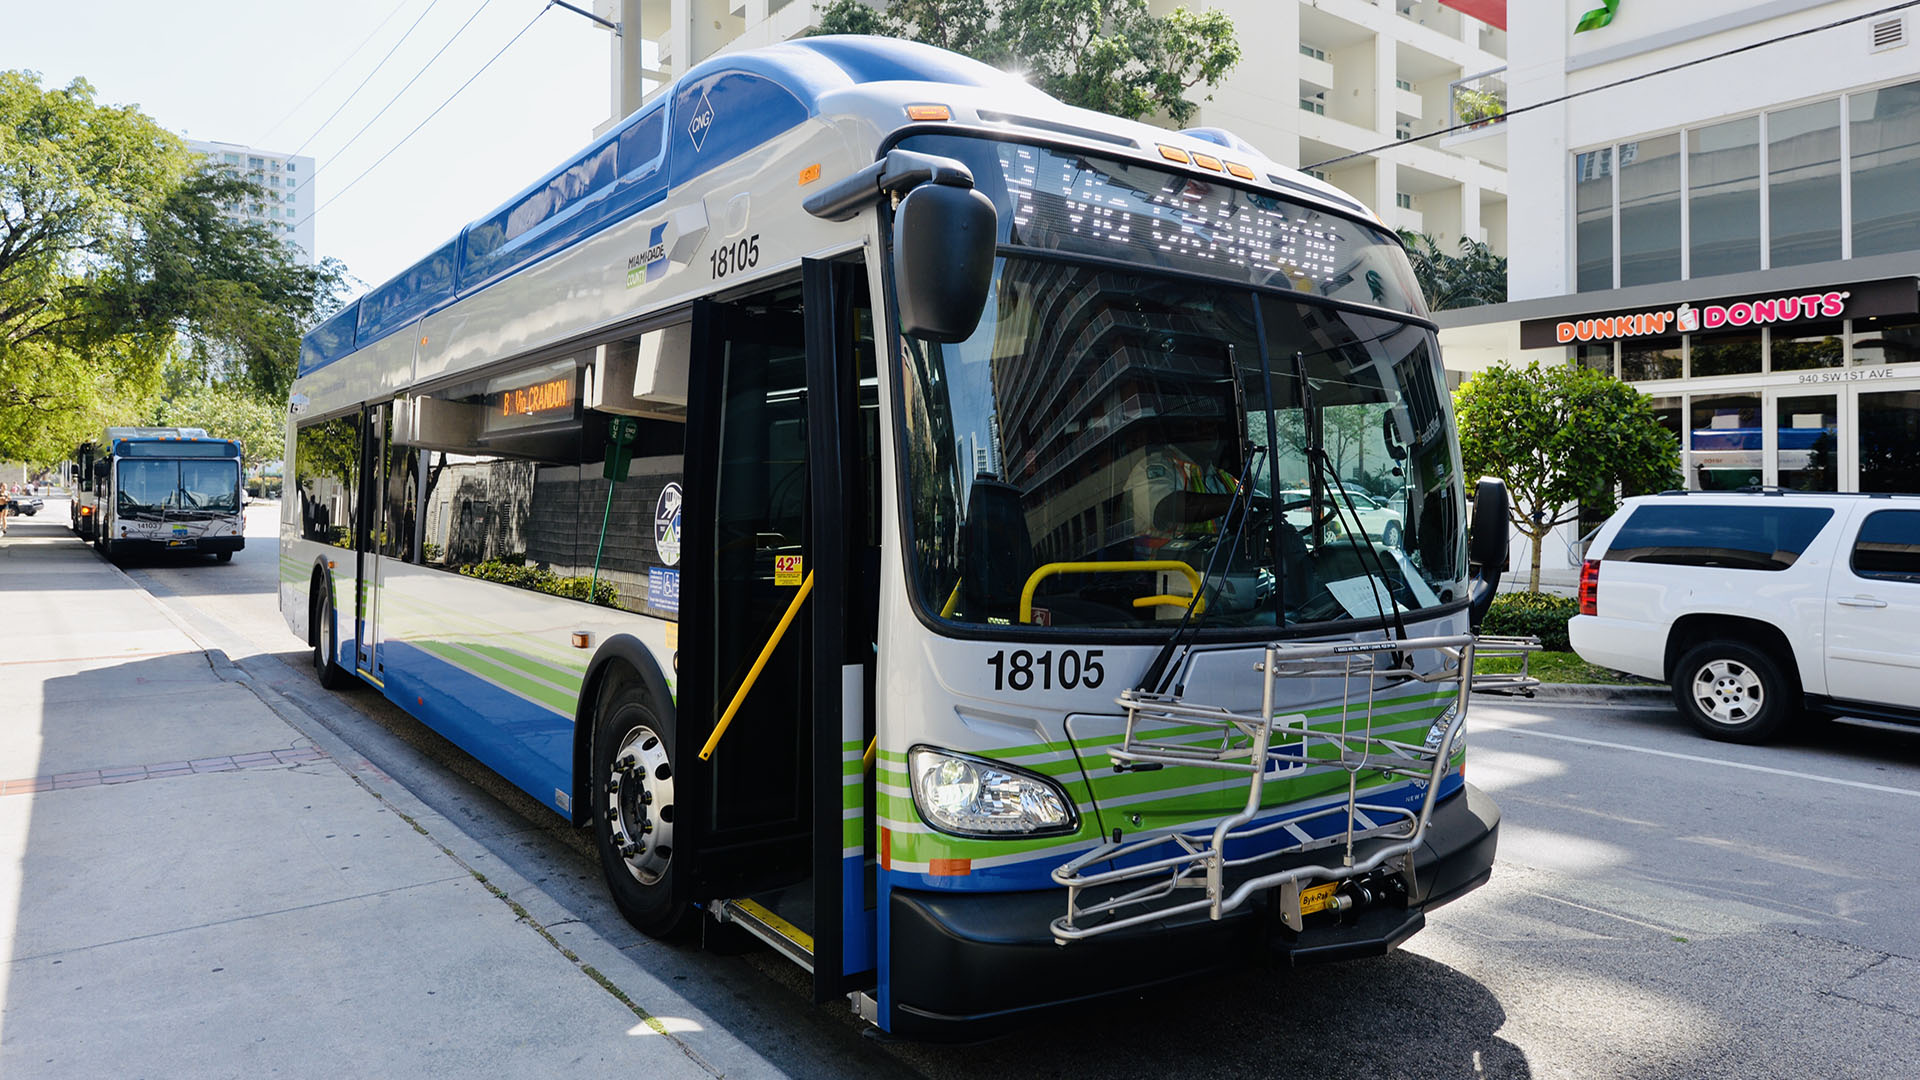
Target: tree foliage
[[112, 248], [1114, 56], [225, 410], [1561, 437], [1474, 277]]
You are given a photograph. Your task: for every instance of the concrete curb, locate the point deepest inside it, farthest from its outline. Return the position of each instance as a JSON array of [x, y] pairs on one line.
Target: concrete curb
[[1594, 694]]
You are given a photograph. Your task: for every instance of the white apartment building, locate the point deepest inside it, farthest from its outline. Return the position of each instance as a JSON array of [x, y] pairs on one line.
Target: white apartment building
[[1317, 80], [1740, 238], [285, 203]]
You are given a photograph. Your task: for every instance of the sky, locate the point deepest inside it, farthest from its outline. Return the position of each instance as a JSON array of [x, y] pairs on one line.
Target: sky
[[238, 71]]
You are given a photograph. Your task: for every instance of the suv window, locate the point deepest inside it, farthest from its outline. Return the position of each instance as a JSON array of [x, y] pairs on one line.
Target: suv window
[[1731, 537], [1889, 546]]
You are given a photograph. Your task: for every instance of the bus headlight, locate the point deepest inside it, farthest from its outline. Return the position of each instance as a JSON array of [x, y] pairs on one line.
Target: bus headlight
[[970, 796]]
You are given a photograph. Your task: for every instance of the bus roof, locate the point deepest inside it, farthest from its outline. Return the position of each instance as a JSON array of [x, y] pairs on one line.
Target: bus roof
[[634, 165], [197, 445]]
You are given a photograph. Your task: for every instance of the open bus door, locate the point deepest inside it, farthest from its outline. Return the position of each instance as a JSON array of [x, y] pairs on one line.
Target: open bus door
[[784, 477]]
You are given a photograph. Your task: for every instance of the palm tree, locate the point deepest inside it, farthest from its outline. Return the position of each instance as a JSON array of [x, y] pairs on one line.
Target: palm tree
[[1475, 276]]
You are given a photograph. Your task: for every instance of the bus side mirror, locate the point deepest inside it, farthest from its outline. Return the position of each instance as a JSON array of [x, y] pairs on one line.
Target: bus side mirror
[[1486, 547], [944, 237]]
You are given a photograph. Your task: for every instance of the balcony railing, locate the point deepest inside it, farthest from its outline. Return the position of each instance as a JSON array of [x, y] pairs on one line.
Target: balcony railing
[[1478, 100]]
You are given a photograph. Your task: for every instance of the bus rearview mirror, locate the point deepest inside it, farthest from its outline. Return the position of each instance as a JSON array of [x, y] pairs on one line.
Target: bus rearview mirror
[[943, 248]]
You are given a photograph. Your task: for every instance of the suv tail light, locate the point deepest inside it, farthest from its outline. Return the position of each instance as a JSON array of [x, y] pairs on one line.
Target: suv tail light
[[1590, 587]]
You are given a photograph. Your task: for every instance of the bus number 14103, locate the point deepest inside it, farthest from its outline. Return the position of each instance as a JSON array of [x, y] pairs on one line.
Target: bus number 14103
[[1023, 670]]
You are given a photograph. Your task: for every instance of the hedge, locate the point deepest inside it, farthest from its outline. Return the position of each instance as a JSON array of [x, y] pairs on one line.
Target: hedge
[[1532, 614], [541, 579]]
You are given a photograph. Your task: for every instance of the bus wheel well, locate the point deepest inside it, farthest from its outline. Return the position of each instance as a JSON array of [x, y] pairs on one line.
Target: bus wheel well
[[622, 655], [1690, 630]]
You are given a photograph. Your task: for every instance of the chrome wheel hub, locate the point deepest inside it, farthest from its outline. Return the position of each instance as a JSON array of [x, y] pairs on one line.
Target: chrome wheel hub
[[1728, 692], [640, 804]]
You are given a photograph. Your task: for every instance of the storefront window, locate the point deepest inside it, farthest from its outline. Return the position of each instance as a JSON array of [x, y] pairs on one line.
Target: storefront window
[[1597, 357], [1726, 354], [1809, 347], [1886, 169], [1723, 180], [1650, 210], [1807, 433], [1886, 341], [1890, 441], [1803, 183], [1653, 358], [1593, 209], [1724, 443], [1671, 413]]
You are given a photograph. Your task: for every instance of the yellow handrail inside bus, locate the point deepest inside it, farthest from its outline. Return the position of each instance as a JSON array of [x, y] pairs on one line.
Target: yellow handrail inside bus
[[753, 673], [1197, 603], [1052, 568], [866, 759], [953, 600]]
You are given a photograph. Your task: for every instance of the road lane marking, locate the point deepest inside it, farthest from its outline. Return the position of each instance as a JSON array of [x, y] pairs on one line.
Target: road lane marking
[[1668, 930], [1815, 777]]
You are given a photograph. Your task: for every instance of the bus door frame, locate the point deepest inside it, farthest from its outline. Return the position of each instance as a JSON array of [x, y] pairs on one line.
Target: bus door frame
[[375, 420], [844, 929]]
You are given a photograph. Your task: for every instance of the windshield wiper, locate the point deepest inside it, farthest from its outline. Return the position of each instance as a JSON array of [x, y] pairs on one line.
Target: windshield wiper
[[1154, 678], [1321, 466]]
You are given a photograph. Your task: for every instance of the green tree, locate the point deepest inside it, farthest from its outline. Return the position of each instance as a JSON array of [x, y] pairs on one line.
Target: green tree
[[113, 246], [225, 410], [1114, 56], [1561, 437], [1474, 277]]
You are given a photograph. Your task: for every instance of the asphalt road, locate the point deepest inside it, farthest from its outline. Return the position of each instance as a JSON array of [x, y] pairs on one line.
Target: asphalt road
[[1663, 906]]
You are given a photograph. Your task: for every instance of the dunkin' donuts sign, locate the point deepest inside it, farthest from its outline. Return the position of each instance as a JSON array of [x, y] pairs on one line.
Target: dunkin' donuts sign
[[1871, 298]]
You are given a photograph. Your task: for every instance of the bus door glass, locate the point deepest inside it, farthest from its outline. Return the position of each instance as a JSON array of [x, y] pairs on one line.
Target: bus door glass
[[372, 539]]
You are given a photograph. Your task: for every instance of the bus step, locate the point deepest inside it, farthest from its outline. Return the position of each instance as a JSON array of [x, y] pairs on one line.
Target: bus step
[[755, 918]]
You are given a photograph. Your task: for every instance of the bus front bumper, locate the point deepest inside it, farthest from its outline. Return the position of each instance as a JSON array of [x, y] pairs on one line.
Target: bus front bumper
[[965, 965], [203, 545]]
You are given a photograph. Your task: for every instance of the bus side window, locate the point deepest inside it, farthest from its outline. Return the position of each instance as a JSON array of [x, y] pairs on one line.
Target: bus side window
[[326, 459]]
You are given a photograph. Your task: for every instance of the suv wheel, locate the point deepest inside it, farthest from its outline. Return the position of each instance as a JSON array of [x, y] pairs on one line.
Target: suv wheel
[[1731, 691]]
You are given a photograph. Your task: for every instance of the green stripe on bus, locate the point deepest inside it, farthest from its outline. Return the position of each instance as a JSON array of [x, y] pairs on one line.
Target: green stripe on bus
[[545, 695]]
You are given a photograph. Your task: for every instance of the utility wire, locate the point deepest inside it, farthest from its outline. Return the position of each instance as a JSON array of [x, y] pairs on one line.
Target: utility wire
[[436, 112], [1669, 69], [342, 148], [369, 76], [329, 77]]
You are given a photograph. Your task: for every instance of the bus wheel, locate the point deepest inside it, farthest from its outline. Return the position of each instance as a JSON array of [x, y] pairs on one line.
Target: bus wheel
[[325, 640], [223, 556], [633, 807]]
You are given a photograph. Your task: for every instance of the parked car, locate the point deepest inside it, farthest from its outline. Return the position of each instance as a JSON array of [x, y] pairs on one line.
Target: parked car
[[1383, 523], [24, 504], [1759, 608]]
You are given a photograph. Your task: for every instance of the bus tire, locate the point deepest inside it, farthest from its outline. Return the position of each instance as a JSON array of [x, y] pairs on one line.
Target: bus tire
[[324, 637], [223, 556], [1731, 691], [633, 806]]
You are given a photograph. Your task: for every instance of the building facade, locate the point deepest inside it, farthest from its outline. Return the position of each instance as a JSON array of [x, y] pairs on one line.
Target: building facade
[[1318, 80], [1738, 235], [285, 201]]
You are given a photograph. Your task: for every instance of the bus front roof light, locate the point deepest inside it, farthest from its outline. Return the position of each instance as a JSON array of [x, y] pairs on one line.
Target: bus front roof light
[[970, 796]]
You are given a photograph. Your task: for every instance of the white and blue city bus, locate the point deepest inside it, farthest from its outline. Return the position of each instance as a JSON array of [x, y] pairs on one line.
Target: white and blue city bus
[[146, 490], [917, 521]]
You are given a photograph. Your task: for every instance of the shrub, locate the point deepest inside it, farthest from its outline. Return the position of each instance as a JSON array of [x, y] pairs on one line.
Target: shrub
[[540, 579], [1524, 614]]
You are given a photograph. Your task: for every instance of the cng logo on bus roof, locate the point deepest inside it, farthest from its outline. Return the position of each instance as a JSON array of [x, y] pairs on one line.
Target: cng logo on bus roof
[[702, 121]]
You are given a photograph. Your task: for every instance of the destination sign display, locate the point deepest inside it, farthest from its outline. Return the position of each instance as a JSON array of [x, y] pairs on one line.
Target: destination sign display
[[532, 398]]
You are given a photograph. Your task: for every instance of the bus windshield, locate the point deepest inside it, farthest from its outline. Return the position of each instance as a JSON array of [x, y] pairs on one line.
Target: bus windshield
[[152, 485], [1112, 435]]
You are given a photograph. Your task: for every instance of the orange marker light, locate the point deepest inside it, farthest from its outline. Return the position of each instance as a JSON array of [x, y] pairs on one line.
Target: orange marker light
[[1174, 153], [1240, 171], [1206, 162], [809, 174], [423, 341], [929, 112]]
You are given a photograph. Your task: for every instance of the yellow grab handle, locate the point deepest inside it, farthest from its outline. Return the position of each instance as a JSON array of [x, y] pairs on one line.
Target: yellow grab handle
[[753, 674], [866, 759], [1198, 603], [1052, 568]]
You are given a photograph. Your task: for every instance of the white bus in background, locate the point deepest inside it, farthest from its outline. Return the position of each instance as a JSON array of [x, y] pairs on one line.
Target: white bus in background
[[836, 488], [149, 490]]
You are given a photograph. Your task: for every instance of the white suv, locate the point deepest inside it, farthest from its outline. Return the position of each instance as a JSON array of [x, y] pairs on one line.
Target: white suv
[[1757, 607]]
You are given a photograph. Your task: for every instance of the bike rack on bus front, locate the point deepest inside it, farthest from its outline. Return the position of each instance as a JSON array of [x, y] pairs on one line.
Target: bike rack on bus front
[[1252, 745]]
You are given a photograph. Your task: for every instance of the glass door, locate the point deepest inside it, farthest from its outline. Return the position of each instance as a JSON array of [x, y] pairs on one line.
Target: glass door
[[1887, 438], [1804, 445]]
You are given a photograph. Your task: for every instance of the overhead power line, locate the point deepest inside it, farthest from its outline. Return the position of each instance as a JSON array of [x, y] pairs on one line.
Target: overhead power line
[[1668, 70], [434, 113], [342, 148], [369, 76], [262, 141]]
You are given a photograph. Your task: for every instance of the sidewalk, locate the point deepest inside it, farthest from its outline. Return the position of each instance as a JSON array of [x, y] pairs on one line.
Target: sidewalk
[[191, 886]]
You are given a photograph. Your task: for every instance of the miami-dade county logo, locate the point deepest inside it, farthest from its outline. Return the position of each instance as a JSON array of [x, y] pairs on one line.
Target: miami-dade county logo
[[650, 264], [702, 121], [666, 525]]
